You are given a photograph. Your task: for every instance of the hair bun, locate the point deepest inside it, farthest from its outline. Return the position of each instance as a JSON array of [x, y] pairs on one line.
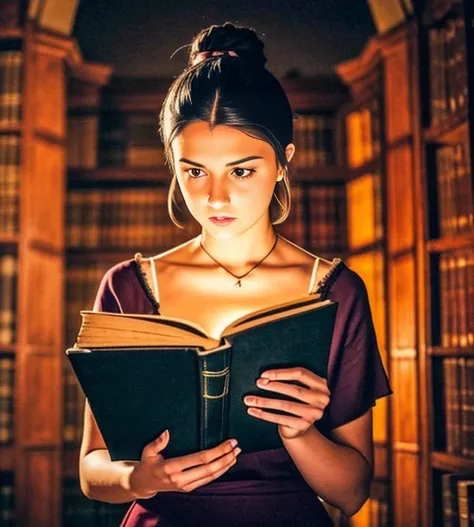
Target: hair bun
[[242, 40]]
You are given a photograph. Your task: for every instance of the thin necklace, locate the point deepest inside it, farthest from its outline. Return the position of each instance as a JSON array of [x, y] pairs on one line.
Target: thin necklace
[[239, 278]]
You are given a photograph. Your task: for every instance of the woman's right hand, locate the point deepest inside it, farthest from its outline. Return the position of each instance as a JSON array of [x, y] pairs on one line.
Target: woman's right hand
[[153, 473]]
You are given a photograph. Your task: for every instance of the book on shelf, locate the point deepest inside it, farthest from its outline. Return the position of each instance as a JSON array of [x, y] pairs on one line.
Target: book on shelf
[[314, 140], [7, 499], [196, 382], [466, 502], [454, 189], [11, 64], [458, 388], [456, 298], [82, 134], [448, 69], [451, 485], [9, 183], [8, 297], [7, 385]]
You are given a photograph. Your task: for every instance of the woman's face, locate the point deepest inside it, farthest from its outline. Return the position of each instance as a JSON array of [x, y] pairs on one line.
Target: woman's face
[[227, 178]]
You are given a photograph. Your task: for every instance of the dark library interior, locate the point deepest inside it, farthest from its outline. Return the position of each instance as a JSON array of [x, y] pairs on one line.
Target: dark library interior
[[382, 95]]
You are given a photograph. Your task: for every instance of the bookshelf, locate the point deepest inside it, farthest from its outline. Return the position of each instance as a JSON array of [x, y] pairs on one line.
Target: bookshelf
[[448, 249], [363, 123], [33, 65], [427, 247]]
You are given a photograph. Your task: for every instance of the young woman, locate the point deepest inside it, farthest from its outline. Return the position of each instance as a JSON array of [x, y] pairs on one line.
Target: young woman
[[226, 125]]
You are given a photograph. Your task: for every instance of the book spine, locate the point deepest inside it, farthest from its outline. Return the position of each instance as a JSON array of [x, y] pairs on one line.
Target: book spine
[[215, 377]]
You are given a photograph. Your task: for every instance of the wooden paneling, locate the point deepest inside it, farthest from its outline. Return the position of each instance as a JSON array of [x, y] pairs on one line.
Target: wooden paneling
[[42, 487], [397, 92], [406, 494], [401, 230], [43, 311], [49, 94], [402, 303], [405, 401], [41, 411], [46, 194]]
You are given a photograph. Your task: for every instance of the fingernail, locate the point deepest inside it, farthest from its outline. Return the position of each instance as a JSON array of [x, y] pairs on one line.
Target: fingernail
[[262, 382], [233, 442], [237, 451]]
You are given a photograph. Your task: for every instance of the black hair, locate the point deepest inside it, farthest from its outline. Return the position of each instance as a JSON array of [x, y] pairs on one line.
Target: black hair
[[235, 91]]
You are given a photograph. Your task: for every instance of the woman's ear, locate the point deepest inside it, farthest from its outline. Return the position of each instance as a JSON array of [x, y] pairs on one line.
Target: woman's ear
[[290, 152]]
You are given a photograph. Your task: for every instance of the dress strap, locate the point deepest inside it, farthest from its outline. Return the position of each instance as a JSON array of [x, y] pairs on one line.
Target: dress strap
[[154, 279], [313, 284]]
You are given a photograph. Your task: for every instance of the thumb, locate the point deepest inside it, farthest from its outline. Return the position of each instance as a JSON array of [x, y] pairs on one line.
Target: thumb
[[157, 445]]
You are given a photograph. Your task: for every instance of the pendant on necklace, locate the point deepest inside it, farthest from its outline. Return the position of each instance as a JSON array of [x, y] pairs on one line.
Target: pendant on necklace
[[238, 283]]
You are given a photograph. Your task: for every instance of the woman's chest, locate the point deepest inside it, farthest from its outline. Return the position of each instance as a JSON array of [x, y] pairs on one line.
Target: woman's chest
[[214, 312]]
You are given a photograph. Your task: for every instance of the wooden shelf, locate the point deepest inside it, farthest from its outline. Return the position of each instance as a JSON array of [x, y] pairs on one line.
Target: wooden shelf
[[10, 129], [119, 174], [454, 130], [7, 458], [71, 462], [369, 167], [8, 33], [438, 351], [323, 174], [447, 243], [376, 245], [9, 241], [448, 462], [8, 348], [113, 255]]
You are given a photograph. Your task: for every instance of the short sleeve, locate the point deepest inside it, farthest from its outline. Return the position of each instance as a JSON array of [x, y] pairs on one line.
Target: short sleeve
[[106, 298], [356, 375]]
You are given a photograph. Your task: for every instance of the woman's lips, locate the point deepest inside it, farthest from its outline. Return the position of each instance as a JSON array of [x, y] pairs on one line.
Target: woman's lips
[[221, 220]]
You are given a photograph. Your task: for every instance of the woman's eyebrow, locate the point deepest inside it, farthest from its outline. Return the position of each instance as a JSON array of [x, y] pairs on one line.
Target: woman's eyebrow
[[233, 163]]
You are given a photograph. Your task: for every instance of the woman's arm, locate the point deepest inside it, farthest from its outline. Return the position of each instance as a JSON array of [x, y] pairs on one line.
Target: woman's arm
[[339, 470]]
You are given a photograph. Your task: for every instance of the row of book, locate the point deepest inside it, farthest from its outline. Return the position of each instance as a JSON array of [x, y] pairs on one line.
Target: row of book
[[7, 501], [8, 281], [80, 511], [7, 384], [458, 385], [314, 139], [9, 182], [11, 62], [458, 499], [138, 219], [122, 218], [131, 139], [454, 189], [456, 283], [363, 134], [448, 71], [114, 139], [82, 282]]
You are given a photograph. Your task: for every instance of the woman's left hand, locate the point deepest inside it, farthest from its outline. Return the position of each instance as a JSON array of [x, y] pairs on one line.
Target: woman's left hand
[[314, 395]]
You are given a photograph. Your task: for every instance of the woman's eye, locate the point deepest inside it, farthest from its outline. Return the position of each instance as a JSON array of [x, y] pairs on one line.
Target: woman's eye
[[243, 173], [194, 172]]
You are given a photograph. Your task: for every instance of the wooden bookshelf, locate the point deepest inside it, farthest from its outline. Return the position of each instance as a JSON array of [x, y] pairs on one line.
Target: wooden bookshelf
[[7, 458], [71, 462], [9, 349], [449, 243], [10, 129], [437, 351], [363, 119], [118, 175], [450, 463], [452, 131], [9, 240]]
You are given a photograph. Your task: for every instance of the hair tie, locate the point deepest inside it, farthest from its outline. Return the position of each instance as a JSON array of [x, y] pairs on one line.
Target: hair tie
[[203, 55]]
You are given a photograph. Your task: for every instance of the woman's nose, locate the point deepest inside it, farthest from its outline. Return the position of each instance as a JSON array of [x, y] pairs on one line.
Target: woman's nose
[[218, 195]]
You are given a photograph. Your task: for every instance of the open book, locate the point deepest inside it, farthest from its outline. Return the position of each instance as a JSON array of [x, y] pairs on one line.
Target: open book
[[143, 374]]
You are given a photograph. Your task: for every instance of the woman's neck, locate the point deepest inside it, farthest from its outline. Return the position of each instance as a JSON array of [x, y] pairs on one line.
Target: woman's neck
[[238, 253]]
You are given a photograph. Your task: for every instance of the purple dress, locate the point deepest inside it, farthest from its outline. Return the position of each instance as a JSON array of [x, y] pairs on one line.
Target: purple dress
[[265, 489]]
